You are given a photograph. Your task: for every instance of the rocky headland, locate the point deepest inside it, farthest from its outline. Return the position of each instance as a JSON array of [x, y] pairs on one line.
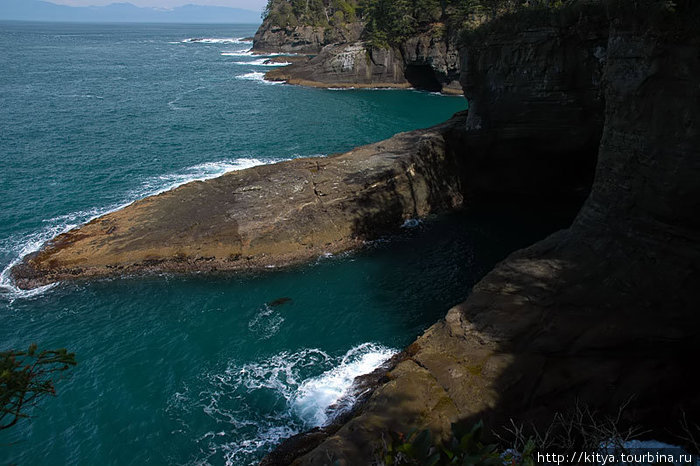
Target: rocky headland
[[592, 100], [347, 52]]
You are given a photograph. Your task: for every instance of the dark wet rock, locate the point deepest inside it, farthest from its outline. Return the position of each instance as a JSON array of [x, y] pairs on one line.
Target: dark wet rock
[[280, 301], [286, 59], [347, 65]]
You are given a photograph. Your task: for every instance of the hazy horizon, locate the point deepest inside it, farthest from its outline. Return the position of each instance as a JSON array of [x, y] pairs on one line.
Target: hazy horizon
[[166, 11], [245, 4]]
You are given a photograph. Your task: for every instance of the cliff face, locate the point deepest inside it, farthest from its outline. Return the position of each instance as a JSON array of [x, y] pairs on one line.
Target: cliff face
[[423, 61], [304, 39], [604, 312], [347, 65], [536, 102], [306, 27], [347, 56]]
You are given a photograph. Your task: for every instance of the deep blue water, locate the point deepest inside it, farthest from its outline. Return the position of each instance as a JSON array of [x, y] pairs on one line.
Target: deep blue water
[[195, 370]]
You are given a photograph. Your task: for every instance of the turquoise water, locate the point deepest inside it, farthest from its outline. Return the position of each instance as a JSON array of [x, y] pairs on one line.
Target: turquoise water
[[195, 370]]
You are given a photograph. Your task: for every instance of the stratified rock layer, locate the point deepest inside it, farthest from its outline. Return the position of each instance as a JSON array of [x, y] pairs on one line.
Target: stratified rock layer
[[265, 216], [423, 61], [302, 39]]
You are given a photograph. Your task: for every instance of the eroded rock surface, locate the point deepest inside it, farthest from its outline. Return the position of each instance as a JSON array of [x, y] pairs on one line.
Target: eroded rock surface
[[265, 216], [423, 61], [303, 38]]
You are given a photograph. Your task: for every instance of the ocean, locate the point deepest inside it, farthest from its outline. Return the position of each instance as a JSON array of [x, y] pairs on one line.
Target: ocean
[[203, 369]]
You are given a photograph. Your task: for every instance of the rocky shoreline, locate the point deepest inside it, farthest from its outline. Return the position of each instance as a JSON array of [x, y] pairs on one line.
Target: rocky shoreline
[[341, 57], [262, 217], [358, 65], [602, 313], [593, 101]]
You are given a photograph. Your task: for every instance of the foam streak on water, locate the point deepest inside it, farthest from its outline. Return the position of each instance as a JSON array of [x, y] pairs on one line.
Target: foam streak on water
[[237, 53], [213, 40], [249, 53]]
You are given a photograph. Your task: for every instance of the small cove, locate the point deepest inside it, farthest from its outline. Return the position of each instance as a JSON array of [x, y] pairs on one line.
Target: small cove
[[204, 369]]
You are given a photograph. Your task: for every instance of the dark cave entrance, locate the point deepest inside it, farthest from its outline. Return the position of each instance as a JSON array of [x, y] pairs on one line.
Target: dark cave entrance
[[423, 77]]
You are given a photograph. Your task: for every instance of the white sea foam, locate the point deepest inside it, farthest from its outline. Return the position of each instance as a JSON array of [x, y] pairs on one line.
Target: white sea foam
[[313, 398], [21, 245], [267, 437], [200, 172], [250, 53], [237, 53], [411, 223], [258, 76], [82, 96], [266, 323], [308, 381], [214, 40]]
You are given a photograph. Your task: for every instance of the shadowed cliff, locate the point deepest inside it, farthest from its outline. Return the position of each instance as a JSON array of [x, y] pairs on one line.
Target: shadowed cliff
[[603, 313]]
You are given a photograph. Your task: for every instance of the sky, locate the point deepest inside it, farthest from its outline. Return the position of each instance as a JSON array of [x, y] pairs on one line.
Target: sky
[[247, 4]]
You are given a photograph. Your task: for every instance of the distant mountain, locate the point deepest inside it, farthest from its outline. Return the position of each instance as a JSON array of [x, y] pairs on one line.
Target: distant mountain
[[36, 10]]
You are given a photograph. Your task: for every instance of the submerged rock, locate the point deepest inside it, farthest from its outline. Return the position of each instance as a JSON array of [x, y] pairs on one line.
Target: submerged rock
[[280, 301]]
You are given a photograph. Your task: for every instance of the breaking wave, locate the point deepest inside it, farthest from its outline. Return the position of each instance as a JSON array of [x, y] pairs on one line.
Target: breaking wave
[[214, 40], [237, 53], [258, 76], [300, 388]]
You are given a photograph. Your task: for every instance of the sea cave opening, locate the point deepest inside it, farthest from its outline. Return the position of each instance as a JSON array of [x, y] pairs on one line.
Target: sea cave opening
[[423, 77]]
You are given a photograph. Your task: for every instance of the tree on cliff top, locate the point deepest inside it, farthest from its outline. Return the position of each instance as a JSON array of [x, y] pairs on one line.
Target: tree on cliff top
[[25, 377], [320, 13]]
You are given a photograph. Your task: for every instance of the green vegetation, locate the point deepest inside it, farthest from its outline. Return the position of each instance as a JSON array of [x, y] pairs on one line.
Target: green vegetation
[[320, 13], [579, 429], [25, 377], [391, 22], [463, 447]]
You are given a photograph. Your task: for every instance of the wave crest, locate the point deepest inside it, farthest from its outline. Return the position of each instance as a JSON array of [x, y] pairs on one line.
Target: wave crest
[[216, 40], [299, 390]]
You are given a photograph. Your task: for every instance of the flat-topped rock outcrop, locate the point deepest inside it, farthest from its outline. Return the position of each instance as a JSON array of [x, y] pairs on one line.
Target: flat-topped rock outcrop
[[265, 216]]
